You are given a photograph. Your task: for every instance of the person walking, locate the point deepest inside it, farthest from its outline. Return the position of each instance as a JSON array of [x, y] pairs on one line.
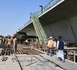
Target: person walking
[[60, 47], [50, 46]]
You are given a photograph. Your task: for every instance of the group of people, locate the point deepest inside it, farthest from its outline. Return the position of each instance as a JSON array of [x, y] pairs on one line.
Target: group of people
[[11, 45], [59, 45]]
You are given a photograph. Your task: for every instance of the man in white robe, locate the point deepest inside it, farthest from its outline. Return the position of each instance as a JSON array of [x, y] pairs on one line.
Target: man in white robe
[[60, 47]]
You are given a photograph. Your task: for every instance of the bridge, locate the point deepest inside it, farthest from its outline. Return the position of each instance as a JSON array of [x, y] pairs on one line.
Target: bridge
[[59, 17]]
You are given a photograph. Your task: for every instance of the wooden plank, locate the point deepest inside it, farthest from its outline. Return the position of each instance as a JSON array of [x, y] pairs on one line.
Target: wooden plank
[[68, 65]]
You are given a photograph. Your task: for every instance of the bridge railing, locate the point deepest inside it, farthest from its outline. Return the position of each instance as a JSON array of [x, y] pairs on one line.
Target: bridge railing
[[48, 6]]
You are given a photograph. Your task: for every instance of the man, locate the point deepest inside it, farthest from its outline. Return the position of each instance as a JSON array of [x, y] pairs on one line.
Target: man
[[50, 46], [9, 45], [60, 47], [15, 44]]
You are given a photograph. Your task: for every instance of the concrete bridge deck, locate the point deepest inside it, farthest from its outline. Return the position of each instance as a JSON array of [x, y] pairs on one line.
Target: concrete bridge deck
[[9, 64], [35, 62], [67, 65]]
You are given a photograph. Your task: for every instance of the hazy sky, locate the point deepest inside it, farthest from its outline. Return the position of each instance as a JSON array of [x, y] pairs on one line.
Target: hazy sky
[[15, 13]]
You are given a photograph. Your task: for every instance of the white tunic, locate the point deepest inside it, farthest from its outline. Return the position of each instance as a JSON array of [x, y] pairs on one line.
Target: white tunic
[[60, 53]]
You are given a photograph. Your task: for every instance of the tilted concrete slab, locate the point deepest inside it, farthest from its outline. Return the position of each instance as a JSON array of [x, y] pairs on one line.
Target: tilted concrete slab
[[61, 20], [67, 65]]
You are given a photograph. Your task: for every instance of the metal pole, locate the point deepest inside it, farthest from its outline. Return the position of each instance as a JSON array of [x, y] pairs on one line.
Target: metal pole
[[41, 8]]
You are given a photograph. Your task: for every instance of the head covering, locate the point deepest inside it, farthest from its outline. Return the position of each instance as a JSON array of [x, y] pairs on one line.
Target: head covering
[[13, 36], [50, 37]]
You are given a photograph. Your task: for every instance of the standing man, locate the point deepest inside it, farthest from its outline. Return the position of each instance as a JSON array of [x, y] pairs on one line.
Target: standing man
[[60, 46], [9, 45], [50, 46], [15, 44]]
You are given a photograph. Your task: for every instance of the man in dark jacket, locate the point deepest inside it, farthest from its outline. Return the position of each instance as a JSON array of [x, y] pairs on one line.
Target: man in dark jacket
[[60, 46]]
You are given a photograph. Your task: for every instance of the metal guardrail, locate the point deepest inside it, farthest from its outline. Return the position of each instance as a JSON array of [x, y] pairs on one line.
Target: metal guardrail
[[49, 5]]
